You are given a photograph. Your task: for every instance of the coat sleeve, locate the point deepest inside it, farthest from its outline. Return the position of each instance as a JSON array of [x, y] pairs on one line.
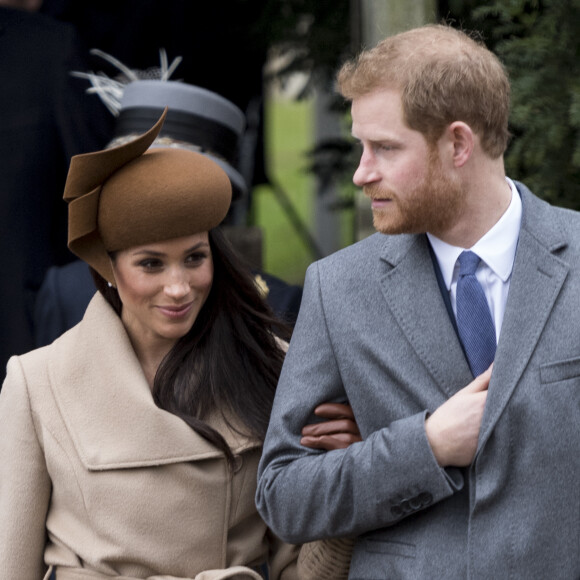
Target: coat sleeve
[[24, 482], [305, 494]]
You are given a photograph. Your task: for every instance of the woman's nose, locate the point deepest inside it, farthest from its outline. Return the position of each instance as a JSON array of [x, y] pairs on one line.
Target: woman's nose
[[177, 286]]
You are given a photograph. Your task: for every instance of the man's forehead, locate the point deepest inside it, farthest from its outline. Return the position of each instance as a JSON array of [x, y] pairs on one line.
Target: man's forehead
[[379, 116]]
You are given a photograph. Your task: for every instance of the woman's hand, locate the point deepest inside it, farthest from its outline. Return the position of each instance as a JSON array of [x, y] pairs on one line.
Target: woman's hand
[[338, 432]]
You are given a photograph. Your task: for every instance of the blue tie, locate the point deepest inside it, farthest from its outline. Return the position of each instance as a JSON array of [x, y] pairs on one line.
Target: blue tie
[[474, 322]]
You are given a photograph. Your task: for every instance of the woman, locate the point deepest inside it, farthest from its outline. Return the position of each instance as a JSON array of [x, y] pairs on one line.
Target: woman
[[129, 447]]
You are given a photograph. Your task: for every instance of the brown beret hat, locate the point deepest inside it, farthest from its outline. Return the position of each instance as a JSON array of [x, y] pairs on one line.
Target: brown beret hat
[[128, 196]]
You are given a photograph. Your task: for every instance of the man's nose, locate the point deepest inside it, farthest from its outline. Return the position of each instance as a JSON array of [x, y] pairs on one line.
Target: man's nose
[[366, 171]]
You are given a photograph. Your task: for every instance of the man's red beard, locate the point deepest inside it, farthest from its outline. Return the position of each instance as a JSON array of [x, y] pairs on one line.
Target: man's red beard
[[433, 206]]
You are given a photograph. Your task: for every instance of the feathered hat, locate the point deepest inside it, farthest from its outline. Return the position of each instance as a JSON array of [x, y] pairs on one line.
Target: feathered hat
[[198, 119]]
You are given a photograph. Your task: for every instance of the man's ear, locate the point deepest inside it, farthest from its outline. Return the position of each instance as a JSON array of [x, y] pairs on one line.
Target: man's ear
[[462, 139]]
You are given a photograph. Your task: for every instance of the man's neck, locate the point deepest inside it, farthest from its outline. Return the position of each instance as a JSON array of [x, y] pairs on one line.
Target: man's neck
[[487, 198]]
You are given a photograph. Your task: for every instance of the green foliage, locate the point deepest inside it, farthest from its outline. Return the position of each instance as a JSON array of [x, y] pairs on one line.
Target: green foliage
[[313, 35], [537, 40], [539, 43]]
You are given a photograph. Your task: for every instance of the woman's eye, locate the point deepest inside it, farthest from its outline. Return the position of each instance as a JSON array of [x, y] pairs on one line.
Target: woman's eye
[[196, 258], [150, 264]]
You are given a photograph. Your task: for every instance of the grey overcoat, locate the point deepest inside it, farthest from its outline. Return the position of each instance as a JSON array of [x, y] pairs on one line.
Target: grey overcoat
[[373, 329]]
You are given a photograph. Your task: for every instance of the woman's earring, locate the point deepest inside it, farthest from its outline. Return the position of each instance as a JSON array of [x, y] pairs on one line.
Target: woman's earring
[[110, 285]]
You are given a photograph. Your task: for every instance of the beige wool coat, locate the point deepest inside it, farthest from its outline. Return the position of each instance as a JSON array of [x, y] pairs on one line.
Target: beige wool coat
[[96, 481]]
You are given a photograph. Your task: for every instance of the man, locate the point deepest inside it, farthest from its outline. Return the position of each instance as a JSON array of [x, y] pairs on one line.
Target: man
[[450, 481]]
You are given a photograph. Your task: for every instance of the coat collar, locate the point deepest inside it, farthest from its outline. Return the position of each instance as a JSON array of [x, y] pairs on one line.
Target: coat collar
[[410, 287], [107, 406], [408, 277], [538, 275]]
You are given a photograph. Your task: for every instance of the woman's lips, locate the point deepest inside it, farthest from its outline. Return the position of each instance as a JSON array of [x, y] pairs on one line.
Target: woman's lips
[[176, 311]]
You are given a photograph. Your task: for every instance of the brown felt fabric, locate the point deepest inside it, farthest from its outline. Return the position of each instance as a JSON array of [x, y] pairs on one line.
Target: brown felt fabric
[[128, 196]]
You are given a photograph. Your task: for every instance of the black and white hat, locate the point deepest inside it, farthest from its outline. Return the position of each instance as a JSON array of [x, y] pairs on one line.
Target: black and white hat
[[197, 118]]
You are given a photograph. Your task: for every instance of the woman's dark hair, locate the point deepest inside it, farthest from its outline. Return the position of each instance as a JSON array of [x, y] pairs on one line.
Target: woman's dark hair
[[230, 360]]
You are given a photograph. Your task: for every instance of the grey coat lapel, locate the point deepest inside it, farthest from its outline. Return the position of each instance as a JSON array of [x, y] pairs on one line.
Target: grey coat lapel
[[537, 278], [411, 290]]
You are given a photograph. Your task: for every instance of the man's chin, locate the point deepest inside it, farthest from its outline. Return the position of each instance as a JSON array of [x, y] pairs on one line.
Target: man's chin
[[386, 225]]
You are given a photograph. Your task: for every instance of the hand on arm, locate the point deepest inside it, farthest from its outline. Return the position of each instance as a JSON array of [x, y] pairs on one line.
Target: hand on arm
[[453, 429], [338, 432]]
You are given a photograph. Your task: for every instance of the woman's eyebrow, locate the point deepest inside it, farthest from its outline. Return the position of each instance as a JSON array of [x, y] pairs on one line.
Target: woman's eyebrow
[[149, 252]]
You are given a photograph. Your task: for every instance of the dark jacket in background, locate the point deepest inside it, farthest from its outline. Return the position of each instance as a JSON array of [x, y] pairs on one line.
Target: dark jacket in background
[[45, 118]]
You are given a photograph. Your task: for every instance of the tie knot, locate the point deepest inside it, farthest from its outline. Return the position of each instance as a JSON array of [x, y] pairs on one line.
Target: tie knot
[[468, 262]]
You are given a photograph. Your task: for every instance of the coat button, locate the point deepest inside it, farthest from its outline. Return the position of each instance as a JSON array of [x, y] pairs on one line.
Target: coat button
[[425, 499], [415, 503], [397, 511]]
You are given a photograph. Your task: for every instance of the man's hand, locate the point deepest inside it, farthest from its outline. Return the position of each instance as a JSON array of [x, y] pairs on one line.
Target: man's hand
[[453, 429], [338, 432]]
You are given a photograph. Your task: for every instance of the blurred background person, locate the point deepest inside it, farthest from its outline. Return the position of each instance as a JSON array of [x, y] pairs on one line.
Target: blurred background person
[[45, 119]]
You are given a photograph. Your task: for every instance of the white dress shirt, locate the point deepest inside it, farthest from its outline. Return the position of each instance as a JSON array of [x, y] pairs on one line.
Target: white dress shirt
[[497, 250]]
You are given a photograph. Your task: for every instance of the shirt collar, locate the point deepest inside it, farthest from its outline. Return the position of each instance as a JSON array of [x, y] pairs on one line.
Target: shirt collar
[[497, 248]]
